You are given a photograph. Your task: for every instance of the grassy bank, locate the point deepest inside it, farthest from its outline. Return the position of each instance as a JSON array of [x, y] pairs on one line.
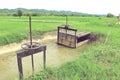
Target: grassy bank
[[14, 29], [100, 61]]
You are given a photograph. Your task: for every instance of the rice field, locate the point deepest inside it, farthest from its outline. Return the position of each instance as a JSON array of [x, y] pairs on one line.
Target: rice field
[[101, 59]]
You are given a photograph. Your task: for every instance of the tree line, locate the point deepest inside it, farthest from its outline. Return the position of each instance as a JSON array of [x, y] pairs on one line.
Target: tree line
[[40, 12]]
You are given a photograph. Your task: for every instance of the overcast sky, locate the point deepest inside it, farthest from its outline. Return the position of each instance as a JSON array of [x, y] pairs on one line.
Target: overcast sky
[[86, 6]]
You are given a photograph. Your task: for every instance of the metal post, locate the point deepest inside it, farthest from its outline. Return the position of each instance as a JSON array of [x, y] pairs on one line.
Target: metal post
[[58, 35], [20, 67], [30, 31], [31, 43], [44, 60], [66, 20], [32, 64]]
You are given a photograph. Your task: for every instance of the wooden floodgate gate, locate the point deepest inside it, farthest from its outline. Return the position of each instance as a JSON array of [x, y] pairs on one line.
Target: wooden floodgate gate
[[70, 37]]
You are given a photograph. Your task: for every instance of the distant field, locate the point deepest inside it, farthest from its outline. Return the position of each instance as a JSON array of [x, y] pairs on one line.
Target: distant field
[[100, 61], [15, 29]]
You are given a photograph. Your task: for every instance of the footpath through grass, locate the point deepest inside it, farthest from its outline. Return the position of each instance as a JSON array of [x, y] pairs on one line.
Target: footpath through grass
[[100, 61]]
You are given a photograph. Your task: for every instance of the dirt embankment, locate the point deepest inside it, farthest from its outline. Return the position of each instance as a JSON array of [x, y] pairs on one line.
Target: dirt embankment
[[46, 37], [11, 48]]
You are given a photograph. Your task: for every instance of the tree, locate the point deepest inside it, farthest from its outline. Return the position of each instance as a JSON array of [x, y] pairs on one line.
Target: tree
[[14, 14], [35, 14], [109, 15], [19, 13]]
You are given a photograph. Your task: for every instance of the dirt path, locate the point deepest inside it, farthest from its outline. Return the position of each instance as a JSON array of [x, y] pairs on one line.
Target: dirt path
[[54, 21], [16, 46]]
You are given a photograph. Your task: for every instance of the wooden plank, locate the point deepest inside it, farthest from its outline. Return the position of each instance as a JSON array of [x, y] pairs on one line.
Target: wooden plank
[[19, 59], [80, 34], [44, 59], [67, 40], [24, 53], [83, 37], [67, 28]]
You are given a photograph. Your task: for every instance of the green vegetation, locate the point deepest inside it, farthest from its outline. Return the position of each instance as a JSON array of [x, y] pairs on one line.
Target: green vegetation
[[41, 12], [110, 15], [100, 61], [14, 29], [19, 13]]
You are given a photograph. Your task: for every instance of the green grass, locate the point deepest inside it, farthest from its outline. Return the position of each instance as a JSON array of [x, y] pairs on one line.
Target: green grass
[[101, 59], [14, 29]]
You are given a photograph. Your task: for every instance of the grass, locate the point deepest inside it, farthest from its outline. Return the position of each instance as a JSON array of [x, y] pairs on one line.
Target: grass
[[100, 61], [13, 29]]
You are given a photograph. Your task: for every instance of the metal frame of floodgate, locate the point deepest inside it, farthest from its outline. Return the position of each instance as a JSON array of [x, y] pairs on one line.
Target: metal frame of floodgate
[[24, 53], [29, 49], [66, 36], [69, 37]]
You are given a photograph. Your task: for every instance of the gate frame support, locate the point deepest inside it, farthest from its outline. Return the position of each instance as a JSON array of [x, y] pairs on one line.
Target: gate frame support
[[24, 53]]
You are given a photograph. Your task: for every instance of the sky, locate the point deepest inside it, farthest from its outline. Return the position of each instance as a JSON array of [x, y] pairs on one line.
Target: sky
[[85, 6]]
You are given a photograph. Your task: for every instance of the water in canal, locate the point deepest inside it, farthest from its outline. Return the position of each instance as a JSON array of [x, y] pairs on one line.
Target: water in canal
[[55, 56]]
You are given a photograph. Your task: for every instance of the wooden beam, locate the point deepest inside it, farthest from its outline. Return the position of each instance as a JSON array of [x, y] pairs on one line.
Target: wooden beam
[[24, 53]]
